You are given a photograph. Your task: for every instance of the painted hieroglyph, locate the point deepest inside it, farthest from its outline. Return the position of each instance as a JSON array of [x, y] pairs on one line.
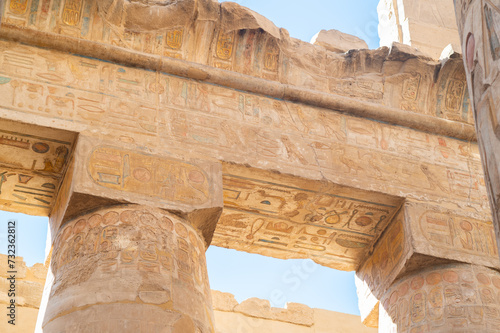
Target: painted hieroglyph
[[164, 178], [293, 218], [219, 35], [31, 166], [159, 110]]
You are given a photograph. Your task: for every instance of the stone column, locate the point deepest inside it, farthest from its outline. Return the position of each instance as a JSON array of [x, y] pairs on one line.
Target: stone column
[[445, 298], [129, 268], [479, 29], [421, 261]]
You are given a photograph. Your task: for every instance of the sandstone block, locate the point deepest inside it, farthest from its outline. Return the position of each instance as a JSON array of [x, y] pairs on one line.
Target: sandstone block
[[295, 313], [20, 267], [336, 41], [223, 301], [255, 307]]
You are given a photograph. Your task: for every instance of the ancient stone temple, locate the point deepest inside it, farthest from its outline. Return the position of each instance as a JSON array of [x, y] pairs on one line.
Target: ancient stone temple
[[148, 130]]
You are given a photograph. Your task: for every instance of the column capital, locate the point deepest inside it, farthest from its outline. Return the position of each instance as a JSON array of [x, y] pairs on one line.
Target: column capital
[[446, 298], [103, 174], [423, 235]]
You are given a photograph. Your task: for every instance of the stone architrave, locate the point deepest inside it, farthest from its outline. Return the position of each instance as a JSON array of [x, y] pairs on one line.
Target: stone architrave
[[478, 24]]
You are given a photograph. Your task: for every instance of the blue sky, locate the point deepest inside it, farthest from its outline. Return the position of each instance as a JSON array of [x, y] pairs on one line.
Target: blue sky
[[303, 19], [242, 274], [31, 235]]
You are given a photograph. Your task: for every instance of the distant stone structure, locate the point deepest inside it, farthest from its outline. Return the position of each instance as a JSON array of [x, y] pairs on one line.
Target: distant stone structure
[[252, 315], [29, 288], [428, 25], [255, 315], [148, 130]]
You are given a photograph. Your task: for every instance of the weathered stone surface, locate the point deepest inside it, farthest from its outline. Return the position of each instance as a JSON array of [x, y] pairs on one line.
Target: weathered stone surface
[[336, 41], [193, 105], [106, 173], [321, 321], [216, 123], [448, 298], [422, 235], [223, 301], [245, 128], [295, 313], [479, 31], [28, 293], [214, 38], [236, 18], [255, 307], [33, 160], [39, 271], [125, 259], [288, 217], [20, 266]]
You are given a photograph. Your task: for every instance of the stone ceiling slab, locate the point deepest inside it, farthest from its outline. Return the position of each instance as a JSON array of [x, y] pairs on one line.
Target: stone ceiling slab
[[33, 160], [289, 217]]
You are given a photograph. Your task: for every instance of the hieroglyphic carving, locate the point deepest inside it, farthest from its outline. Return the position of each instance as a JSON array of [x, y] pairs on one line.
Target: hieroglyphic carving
[[262, 234], [224, 50], [386, 261], [491, 13], [454, 297], [459, 233], [33, 152], [305, 206], [452, 95], [173, 43], [443, 233], [163, 244], [334, 229], [489, 45], [162, 254], [31, 168], [26, 191], [368, 89], [461, 7], [209, 117], [71, 12], [272, 55], [480, 33], [18, 6], [225, 44], [409, 92], [164, 178], [174, 38]]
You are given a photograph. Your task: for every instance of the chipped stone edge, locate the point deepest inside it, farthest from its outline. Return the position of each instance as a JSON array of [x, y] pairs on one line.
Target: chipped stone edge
[[295, 313], [238, 81]]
